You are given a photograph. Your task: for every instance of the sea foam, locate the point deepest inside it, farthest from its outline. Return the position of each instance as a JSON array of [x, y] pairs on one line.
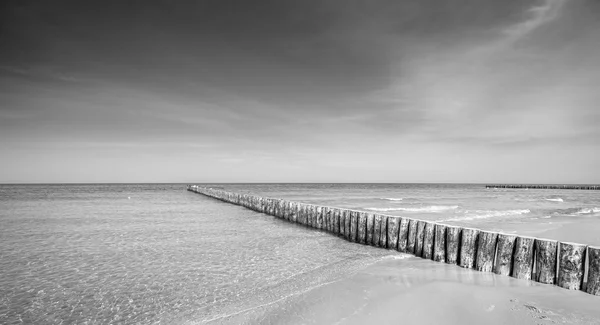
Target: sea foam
[[433, 208], [486, 214]]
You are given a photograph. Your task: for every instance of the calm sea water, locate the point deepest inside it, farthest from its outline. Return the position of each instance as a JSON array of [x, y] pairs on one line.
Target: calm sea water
[[144, 254]]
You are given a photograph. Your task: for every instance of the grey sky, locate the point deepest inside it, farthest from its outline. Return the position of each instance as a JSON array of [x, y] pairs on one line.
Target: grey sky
[[300, 91]]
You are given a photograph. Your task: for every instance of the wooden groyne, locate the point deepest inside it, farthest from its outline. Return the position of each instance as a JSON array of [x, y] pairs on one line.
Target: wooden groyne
[[545, 187], [546, 261]]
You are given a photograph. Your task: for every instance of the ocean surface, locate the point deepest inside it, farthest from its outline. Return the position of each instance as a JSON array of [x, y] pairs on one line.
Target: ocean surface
[[157, 254]]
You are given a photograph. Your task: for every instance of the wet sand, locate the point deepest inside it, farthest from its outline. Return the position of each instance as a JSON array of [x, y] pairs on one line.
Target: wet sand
[[415, 291]]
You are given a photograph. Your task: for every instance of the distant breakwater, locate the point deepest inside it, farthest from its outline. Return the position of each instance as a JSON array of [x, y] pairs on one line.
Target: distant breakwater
[[545, 187], [568, 265]]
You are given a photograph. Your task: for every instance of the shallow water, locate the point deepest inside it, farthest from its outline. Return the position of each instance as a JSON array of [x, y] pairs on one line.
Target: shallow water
[[570, 215], [143, 253]]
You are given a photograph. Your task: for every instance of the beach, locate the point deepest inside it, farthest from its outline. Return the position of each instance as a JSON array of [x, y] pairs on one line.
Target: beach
[[158, 254], [415, 291]]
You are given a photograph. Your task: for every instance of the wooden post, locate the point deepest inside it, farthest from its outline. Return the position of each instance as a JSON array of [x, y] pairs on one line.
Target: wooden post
[[468, 247], [545, 260], [362, 227], [420, 238], [439, 247], [319, 217], [276, 209], [571, 265], [504, 256], [412, 236], [428, 240], [331, 214], [453, 240], [343, 215], [293, 212], [306, 210], [383, 236], [486, 251], [523, 258], [377, 230], [347, 224], [370, 225], [285, 210], [336, 221], [300, 215], [285, 207], [271, 206], [392, 232], [353, 226], [593, 279], [403, 235]]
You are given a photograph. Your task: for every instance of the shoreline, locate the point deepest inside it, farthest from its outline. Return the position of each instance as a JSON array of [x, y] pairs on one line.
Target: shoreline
[[417, 291]]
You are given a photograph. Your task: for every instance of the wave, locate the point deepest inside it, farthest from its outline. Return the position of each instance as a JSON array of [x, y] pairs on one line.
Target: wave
[[433, 208], [555, 200], [574, 212], [486, 214], [588, 211], [392, 199]]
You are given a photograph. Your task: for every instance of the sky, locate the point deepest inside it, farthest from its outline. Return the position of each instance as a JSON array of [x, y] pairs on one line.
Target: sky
[[467, 91]]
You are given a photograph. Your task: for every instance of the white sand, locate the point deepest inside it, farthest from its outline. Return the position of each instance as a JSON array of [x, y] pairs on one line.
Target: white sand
[[417, 291]]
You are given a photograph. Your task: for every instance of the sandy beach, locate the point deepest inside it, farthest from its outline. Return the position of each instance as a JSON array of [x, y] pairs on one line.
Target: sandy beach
[[411, 290]]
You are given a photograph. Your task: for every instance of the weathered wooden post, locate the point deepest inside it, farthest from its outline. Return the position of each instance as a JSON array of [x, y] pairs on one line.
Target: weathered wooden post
[[343, 215], [486, 251], [278, 209], [453, 240], [293, 212], [403, 235], [353, 226], [285, 207], [362, 227], [412, 236], [545, 260], [468, 247], [336, 221], [319, 215], [307, 213], [420, 238], [370, 226], [332, 220], [377, 230], [392, 232], [523, 258], [571, 265], [504, 256], [428, 240], [313, 215], [348, 224], [593, 278], [439, 247], [383, 235]]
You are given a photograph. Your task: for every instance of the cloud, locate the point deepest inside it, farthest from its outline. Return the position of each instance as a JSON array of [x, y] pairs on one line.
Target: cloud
[[536, 16]]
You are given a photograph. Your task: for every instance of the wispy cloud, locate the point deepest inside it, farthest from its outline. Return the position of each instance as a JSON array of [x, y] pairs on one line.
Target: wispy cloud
[[535, 17]]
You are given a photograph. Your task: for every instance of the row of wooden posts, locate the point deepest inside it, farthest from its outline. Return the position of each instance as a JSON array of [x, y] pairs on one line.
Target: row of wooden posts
[[541, 260], [554, 187]]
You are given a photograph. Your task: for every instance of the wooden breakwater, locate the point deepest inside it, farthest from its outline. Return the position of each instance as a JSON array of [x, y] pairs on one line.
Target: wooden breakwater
[[545, 187], [546, 261]]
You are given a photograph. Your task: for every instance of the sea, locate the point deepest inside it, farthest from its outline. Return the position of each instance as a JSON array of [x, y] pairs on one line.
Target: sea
[[158, 254]]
